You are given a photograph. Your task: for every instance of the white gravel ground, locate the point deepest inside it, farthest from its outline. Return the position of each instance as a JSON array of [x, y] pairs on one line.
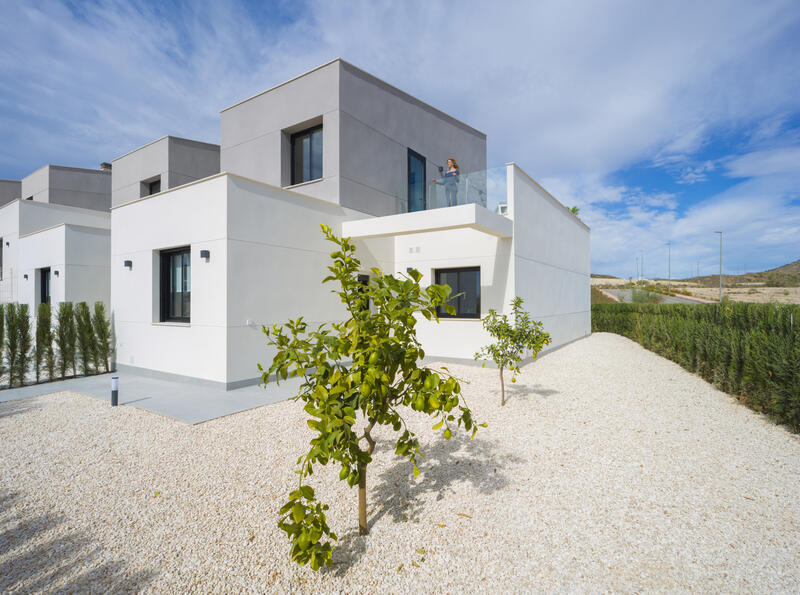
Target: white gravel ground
[[609, 468]]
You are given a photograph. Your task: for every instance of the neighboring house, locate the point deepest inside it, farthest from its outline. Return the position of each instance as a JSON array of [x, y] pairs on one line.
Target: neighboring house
[[198, 269], [9, 190], [161, 165], [37, 260]]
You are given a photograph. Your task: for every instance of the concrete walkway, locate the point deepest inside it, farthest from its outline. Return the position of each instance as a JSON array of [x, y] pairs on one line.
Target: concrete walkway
[[182, 400]]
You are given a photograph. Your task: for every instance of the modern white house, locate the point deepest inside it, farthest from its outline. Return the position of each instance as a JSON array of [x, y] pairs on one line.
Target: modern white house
[[55, 237], [198, 268]]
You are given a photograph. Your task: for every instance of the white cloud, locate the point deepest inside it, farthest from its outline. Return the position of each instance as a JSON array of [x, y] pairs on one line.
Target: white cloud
[[573, 94], [765, 163]]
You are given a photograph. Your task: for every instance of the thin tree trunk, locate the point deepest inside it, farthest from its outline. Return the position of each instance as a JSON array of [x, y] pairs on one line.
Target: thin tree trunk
[[502, 388], [362, 501]]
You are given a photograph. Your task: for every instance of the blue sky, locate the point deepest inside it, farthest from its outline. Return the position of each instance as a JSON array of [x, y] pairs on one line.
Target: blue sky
[[662, 121]]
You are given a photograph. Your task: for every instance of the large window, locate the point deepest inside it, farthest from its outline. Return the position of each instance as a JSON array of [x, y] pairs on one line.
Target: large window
[[307, 155], [464, 281], [176, 285], [416, 182]]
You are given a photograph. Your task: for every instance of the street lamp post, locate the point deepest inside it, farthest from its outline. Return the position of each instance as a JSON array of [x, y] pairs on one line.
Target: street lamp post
[[720, 265], [669, 266]]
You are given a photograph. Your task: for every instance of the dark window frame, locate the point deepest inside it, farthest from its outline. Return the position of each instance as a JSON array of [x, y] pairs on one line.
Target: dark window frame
[[153, 183], [165, 288], [412, 153], [456, 290], [292, 139], [44, 285]]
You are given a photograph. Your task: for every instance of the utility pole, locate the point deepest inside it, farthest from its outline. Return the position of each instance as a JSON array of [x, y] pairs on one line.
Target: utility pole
[[637, 269], [641, 258], [669, 265], [720, 267]]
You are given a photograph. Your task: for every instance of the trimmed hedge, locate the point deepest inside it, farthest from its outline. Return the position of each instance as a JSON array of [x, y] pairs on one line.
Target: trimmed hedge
[[77, 333], [749, 350]]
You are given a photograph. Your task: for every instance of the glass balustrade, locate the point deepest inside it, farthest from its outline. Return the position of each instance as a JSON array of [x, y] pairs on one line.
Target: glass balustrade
[[486, 188]]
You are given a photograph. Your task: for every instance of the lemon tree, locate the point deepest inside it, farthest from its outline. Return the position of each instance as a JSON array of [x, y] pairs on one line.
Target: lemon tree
[[512, 340], [357, 374]]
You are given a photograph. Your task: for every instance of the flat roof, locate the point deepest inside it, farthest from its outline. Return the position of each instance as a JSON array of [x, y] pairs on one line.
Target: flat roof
[[370, 76], [167, 137]]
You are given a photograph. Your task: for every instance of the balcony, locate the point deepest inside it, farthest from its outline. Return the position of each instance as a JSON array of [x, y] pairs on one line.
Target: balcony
[[475, 200], [486, 188]]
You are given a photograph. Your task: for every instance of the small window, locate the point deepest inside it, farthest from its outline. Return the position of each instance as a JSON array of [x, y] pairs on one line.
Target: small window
[[29, 198], [151, 186], [464, 281], [176, 285], [307, 155], [44, 285]]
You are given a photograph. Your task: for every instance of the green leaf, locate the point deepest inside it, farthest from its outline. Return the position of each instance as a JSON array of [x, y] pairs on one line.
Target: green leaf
[[439, 425], [416, 471]]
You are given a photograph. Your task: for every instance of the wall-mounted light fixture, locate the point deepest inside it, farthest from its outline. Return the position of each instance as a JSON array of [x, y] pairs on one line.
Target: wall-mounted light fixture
[[55, 273], [205, 254], [128, 264], [25, 277], [6, 243]]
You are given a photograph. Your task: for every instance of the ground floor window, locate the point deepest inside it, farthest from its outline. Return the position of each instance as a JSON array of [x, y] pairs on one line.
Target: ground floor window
[[176, 285], [44, 285], [466, 287]]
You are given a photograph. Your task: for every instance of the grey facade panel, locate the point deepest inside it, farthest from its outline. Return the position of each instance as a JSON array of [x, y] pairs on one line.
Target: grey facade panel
[[9, 190], [174, 161]]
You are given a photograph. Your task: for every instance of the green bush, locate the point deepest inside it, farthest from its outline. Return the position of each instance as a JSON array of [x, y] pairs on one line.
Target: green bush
[[86, 342], [102, 333], [749, 350], [65, 338]]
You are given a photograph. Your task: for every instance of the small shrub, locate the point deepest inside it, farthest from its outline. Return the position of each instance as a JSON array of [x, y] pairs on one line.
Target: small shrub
[[512, 339]]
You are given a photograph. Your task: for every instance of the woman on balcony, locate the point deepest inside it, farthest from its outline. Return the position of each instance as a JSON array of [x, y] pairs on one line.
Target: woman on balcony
[[450, 182]]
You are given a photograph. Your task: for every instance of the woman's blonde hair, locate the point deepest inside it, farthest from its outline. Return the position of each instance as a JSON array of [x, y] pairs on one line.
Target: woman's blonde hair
[[455, 163]]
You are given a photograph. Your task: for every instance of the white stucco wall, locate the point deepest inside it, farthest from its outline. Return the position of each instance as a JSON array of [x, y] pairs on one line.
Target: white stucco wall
[[277, 258], [36, 251], [551, 260], [458, 337], [194, 215], [267, 260]]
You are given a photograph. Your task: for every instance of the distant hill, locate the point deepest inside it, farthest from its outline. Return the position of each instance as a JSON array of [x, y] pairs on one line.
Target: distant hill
[[596, 276], [787, 275]]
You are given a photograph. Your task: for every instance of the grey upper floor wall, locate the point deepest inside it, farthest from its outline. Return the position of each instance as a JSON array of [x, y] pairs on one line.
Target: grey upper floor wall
[[170, 160], [70, 186], [368, 126], [9, 190]]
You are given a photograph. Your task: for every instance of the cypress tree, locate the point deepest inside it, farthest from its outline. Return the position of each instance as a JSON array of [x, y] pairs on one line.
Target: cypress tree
[[85, 334], [12, 342], [65, 338], [43, 337], [102, 333], [25, 343]]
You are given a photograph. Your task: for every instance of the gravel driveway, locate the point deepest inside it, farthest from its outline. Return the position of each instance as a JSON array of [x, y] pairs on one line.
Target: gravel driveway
[[609, 468]]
